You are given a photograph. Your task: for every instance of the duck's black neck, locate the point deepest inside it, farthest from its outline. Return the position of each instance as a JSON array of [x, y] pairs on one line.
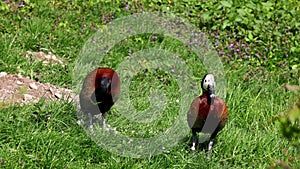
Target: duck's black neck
[[210, 96]]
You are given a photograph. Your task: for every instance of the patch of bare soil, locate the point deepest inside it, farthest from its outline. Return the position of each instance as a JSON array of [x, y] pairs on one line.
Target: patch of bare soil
[[23, 90], [19, 89]]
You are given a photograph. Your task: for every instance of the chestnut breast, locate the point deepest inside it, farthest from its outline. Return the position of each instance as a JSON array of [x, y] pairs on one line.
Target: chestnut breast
[[91, 83], [200, 109]]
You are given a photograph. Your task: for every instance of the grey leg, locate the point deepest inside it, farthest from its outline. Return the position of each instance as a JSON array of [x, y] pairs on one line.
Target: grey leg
[[194, 140], [104, 120], [210, 145], [90, 116]]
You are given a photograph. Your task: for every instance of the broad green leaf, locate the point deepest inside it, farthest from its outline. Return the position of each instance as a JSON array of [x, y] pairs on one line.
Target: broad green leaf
[[294, 115], [294, 67], [250, 36], [241, 12], [267, 4], [238, 19], [206, 16], [251, 5], [277, 33], [225, 24], [226, 3]]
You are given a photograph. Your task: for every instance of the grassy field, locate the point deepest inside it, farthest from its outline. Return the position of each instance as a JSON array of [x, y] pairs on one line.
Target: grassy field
[[257, 56]]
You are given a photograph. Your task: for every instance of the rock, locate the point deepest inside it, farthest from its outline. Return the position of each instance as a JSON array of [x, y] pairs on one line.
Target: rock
[[19, 82], [46, 59], [20, 76], [25, 90], [33, 86], [28, 97], [51, 90], [2, 74], [58, 95]]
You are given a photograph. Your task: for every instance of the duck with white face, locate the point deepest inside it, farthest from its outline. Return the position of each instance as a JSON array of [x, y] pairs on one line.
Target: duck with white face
[[208, 86], [208, 113]]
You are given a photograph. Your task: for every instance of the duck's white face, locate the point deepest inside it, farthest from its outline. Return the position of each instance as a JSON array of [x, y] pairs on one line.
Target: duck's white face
[[208, 82]]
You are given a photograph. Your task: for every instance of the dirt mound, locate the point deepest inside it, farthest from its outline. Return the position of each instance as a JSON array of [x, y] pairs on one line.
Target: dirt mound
[[19, 89]]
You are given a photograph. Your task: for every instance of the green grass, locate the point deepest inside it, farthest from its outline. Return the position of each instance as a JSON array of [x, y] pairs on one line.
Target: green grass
[[46, 134]]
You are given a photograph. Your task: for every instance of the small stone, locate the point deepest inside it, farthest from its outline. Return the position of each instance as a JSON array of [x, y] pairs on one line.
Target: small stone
[[33, 86], [51, 90], [28, 97], [2, 74], [19, 82], [68, 90], [57, 95], [53, 57]]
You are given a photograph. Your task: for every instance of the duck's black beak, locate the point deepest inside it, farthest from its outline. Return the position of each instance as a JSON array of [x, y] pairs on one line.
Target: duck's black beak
[[105, 84], [211, 89]]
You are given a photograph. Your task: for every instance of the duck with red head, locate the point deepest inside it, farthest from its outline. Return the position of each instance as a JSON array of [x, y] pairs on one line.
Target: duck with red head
[[208, 113], [100, 90]]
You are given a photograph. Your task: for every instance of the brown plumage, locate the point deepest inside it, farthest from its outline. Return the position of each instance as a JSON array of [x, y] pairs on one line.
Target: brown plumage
[[208, 113], [100, 90]]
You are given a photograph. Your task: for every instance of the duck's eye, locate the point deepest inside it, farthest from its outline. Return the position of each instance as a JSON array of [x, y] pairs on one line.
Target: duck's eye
[[205, 80]]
